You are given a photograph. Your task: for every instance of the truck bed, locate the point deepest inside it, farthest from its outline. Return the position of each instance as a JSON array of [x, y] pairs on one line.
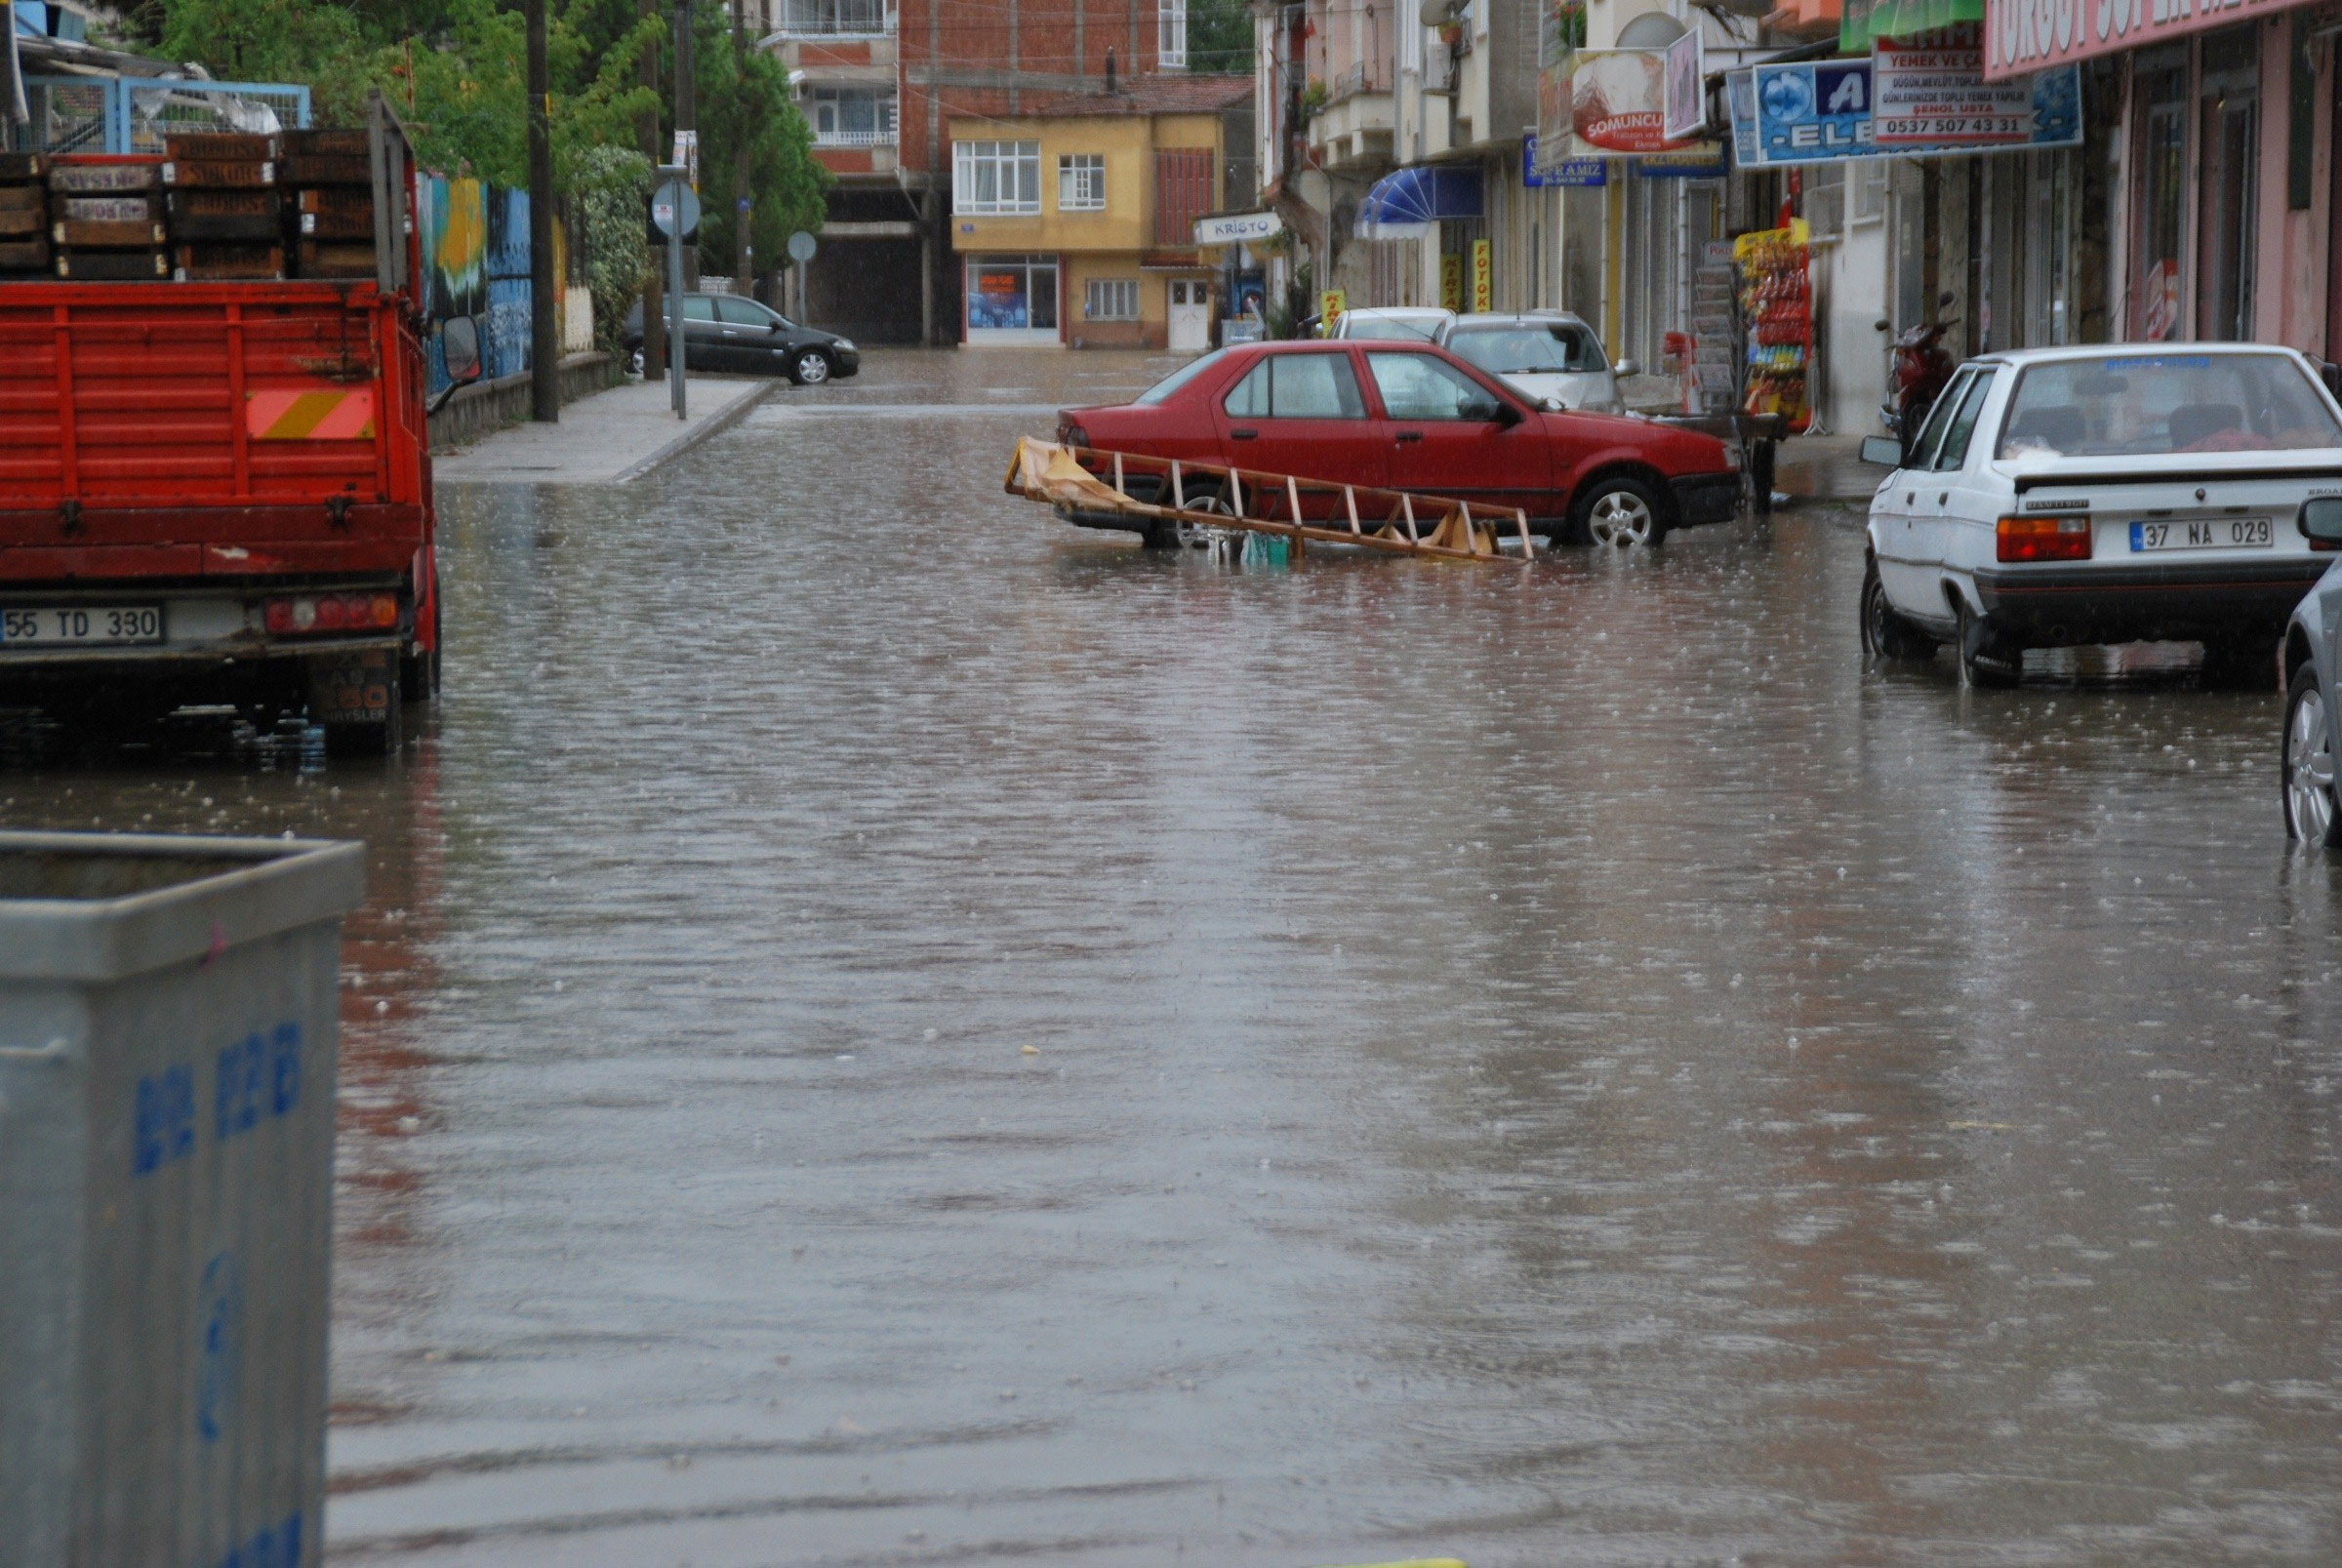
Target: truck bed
[[185, 430]]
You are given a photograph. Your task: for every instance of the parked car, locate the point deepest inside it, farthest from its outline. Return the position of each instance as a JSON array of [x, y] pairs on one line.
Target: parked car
[[2058, 496], [1405, 324], [1543, 354], [728, 332], [1413, 417], [2311, 661]]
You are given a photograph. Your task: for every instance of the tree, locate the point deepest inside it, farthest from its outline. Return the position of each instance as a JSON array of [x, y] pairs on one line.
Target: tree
[[783, 172], [1220, 36]]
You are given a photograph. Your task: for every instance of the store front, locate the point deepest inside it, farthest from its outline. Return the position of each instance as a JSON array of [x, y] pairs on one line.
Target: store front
[[1012, 300]]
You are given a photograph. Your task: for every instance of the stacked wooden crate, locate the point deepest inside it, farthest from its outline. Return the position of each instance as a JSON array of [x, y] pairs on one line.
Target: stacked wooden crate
[[226, 207], [105, 217], [331, 208], [24, 214]]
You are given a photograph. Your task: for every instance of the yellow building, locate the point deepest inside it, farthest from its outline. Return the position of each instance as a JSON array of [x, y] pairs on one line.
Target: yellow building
[[1073, 218]]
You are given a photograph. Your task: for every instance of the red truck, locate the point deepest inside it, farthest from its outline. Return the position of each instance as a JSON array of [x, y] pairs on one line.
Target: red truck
[[220, 493]]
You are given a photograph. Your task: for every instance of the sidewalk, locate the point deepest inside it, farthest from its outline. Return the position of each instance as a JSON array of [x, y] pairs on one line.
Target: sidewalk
[[606, 439], [1825, 468]]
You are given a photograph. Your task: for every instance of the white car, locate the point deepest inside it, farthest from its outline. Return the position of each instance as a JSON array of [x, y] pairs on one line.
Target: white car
[[1406, 324], [1549, 356], [2118, 493]]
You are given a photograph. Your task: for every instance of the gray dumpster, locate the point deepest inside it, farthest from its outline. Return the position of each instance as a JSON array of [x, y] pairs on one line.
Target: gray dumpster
[[167, 1043]]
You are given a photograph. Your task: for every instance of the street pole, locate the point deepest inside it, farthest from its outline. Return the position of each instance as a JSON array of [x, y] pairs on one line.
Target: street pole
[[675, 176], [687, 123], [654, 313], [545, 337], [744, 264]]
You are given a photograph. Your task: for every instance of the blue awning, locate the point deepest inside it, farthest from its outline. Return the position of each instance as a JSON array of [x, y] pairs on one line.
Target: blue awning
[[1402, 206]]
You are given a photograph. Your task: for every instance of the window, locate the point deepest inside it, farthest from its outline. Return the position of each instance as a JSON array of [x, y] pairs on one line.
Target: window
[[995, 176], [1416, 386], [1172, 17], [698, 307], [851, 117], [1947, 402], [1299, 386], [735, 311], [1825, 198], [2139, 405], [1164, 391], [834, 17], [2159, 78], [1866, 190], [1081, 182], [1547, 348], [1954, 453], [1112, 299]]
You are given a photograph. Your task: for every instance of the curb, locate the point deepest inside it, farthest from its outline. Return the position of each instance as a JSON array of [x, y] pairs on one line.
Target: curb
[[694, 436]]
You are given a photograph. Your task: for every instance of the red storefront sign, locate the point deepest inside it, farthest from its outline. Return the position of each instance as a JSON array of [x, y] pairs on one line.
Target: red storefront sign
[[2022, 36]]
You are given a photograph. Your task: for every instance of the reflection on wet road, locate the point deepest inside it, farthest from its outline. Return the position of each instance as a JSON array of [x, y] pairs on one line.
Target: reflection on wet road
[[890, 1030]]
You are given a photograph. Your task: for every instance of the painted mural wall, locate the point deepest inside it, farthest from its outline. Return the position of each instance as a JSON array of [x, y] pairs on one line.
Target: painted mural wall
[[475, 247]]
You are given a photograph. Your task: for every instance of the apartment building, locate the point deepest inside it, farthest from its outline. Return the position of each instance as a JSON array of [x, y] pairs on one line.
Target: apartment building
[[882, 81]]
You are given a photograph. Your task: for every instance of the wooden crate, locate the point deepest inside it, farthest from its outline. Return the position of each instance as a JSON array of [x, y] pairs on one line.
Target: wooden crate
[[335, 213], [143, 234], [329, 261], [322, 144], [125, 206], [217, 175], [219, 146], [97, 176], [215, 263], [113, 266], [19, 218], [24, 255], [23, 168], [227, 214], [327, 169]]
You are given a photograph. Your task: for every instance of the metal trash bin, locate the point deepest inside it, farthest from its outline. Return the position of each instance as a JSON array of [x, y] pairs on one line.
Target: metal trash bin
[[167, 1062]]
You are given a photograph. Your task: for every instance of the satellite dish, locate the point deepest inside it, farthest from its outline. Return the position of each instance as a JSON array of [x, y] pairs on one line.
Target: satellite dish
[[1435, 13]]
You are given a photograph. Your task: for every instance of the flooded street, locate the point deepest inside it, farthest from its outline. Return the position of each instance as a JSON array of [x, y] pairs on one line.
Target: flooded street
[[890, 1030]]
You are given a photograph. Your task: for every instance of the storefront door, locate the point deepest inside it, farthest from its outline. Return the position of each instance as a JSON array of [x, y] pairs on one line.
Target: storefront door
[[2160, 81], [1012, 300], [1191, 325], [2228, 107]]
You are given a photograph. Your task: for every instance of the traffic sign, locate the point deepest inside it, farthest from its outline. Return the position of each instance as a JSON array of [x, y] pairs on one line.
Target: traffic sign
[[800, 247], [671, 200]]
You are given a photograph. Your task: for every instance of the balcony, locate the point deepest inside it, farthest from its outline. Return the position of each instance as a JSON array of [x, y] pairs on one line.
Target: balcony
[[1353, 130], [834, 18], [874, 136]]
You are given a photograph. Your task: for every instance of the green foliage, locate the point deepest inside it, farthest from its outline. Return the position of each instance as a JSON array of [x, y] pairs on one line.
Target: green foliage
[[1220, 36], [311, 41], [785, 182], [611, 185]]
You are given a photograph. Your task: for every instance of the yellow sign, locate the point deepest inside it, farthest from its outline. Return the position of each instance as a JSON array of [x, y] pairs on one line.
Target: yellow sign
[[1330, 305], [1484, 288], [1451, 282]]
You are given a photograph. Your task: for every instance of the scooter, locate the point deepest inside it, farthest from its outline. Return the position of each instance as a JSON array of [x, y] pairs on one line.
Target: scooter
[[1922, 368]]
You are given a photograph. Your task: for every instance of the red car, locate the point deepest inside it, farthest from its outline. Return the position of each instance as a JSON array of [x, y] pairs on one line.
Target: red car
[[1413, 417]]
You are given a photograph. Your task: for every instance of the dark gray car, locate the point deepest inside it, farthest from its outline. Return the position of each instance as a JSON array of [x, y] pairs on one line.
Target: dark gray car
[[726, 331], [2313, 666]]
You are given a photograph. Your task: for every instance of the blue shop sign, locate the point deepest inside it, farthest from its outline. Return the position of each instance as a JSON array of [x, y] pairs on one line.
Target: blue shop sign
[[1564, 171], [1820, 111]]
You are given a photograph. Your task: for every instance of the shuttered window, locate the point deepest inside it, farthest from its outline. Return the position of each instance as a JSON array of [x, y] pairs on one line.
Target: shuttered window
[[1183, 193]]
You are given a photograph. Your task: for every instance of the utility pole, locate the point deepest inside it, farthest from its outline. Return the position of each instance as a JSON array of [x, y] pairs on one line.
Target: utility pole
[[744, 249], [687, 125], [544, 337], [654, 316]]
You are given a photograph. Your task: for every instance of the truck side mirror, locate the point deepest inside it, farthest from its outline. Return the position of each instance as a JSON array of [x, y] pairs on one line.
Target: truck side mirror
[[459, 347]]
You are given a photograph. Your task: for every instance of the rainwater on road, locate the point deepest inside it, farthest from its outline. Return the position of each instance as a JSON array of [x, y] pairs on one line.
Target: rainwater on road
[[890, 1030]]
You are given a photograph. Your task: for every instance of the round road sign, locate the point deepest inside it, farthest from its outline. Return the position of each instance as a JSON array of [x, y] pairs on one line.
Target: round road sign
[[671, 199], [800, 247]]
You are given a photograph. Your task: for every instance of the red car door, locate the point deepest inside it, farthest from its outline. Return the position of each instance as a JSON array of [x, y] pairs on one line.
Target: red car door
[[1451, 436], [1300, 411]]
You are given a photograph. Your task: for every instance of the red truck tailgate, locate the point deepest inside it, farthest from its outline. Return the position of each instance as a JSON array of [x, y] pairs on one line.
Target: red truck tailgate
[[238, 429]]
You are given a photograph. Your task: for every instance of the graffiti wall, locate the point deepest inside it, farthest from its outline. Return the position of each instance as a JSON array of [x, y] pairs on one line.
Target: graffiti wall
[[476, 248]]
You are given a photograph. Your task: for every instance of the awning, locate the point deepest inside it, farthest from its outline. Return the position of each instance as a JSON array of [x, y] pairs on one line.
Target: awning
[[1404, 206], [1865, 20]]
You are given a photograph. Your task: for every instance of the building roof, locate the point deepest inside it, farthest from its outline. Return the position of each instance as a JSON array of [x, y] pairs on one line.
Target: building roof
[[1180, 93]]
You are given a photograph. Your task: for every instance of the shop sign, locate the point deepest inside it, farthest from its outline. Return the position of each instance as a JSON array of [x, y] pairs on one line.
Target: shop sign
[[1237, 228], [1686, 71], [1537, 174], [1560, 34], [1451, 282], [2025, 35], [1705, 161], [1933, 94], [1823, 112], [1483, 290], [1618, 103]]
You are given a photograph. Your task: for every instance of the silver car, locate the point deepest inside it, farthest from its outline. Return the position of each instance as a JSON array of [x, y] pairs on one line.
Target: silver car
[[1550, 356], [1406, 324], [2313, 666]]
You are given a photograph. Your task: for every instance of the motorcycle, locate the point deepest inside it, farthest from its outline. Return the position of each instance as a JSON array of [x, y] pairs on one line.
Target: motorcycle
[[1922, 368]]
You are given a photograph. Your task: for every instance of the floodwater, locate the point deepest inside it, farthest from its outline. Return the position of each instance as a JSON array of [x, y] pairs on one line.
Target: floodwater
[[889, 1029]]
